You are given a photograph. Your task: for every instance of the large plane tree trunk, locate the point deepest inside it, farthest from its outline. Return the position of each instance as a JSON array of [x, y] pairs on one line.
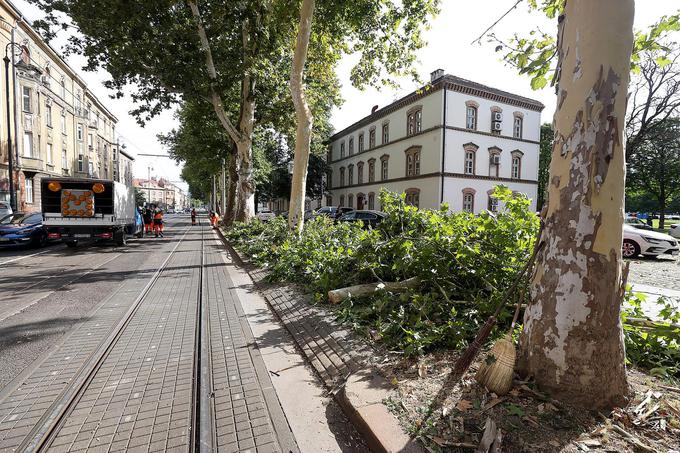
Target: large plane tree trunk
[[232, 181], [572, 343], [303, 135]]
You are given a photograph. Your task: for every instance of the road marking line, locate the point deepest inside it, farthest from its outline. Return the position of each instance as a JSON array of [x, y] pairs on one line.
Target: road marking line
[[24, 257]]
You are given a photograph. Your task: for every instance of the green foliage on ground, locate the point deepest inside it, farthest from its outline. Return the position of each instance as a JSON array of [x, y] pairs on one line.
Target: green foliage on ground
[[464, 262], [654, 345]]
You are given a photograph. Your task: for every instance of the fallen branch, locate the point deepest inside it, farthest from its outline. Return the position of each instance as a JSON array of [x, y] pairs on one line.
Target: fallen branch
[[338, 295], [648, 323], [632, 439]]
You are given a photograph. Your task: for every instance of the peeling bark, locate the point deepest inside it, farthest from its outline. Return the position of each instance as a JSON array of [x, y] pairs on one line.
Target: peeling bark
[[303, 134], [572, 342], [232, 177]]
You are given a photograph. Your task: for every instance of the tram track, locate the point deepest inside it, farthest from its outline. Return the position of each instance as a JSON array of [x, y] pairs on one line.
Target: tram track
[[52, 421]]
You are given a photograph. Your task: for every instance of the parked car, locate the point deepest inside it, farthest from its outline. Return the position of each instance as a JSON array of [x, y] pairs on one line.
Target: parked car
[[637, 223], [23, 228], [368, 218], [329, 211], [265, 215], [5, 209], [341, 211], [647, 243], [675, 230]]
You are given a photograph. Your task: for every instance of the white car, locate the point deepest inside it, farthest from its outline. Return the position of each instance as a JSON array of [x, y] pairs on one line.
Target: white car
[[675, 230], [648, 243], [265, 215]]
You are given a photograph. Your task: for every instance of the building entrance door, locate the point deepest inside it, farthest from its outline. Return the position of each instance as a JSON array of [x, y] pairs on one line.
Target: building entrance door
[[361, 199]]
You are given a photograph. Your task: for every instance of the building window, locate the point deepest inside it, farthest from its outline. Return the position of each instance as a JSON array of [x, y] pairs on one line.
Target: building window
[[79, 132], [350, 201], [517, 126], [63, 88], [361, 142], [371, 201], [342, 150], [29, 190], [342, 176], [371, 138], [26, 97], [80, 163], [49, 154], [329, 200], [28, 144], [414, 121], [63, 121], [413, 197], [385, 133], [350, 175], [516, 170], [48, 115], [90, 168], [469, 200], [64, 159], [494, 161], [493, 204], [25, 55], [351, 146], [471, 117], [329, 175], [360, 173], [342, 201], [371, 170], [90, 141], [413, 161], [384, 168]]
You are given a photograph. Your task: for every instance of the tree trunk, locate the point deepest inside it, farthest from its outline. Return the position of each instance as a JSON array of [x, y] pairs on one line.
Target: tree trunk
[[231, 189], [303, 135], [662, 212], [572, 343], [245, 192]]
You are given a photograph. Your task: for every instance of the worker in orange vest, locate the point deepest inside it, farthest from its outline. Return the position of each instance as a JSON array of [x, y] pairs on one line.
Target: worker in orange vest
[[158, 223]]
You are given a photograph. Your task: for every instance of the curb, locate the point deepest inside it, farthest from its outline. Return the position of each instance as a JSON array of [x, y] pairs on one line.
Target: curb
[[360, 396]]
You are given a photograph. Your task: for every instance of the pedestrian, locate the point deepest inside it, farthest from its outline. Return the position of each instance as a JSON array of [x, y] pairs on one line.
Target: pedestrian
[[193, 216], [213, 219], [148, 220], [158, 223]]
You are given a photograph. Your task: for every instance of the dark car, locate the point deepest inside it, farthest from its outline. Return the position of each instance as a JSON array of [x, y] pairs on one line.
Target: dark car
[[23, 228], [341, 211], [328, 211], [368, 218]]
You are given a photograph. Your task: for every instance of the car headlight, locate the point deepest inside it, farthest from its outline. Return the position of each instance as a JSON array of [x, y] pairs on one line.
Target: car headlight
[[651, 240]]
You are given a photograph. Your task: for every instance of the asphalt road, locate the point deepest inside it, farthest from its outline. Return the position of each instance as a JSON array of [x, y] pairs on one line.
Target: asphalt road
[[46, 292]]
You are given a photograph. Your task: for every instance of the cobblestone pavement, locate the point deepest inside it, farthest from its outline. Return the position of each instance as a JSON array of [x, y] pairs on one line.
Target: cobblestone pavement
[[140, 395], [661, 272]]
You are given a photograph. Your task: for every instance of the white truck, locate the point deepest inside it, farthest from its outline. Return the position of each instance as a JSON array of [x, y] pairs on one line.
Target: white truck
[[77, 210]]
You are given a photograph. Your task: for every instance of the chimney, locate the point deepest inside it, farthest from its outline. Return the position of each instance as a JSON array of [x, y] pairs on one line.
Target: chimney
[[434, 75], [375, 107]]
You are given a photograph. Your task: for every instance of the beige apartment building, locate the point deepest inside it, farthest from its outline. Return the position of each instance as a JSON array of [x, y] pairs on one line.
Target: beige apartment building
[[58, 127], [162, 193]]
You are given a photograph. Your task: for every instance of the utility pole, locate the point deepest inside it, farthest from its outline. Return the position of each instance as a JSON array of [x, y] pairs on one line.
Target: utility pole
[[148, 183], [10, 148]]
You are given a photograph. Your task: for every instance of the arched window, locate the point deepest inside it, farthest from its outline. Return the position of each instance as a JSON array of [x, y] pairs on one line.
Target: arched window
[[413, 197], [413, 161], [371, 169], [517, 124], [342, 176], [469, 200], [361, 201], [25, 55], [492, 205], [516, 169], [350, 174], [414, 120], [494, 161], [342, 150], [342, 201], [329, 200], [361, 142], [384, 173], [329, 179], [371, 138], [350, 201], [469, 163], [63, 88], [360, 173], [385, 133], [371, 200], [471, 114], [351, 146]]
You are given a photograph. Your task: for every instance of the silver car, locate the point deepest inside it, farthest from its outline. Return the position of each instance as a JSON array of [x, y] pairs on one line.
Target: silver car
[[5, 209]]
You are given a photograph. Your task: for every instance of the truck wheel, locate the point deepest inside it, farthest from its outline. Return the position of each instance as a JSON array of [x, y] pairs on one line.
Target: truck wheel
[[71, 244], [121, 240]]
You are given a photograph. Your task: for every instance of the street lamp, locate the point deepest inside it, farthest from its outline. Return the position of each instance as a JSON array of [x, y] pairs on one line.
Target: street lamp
[[10, 150], [148, 184]]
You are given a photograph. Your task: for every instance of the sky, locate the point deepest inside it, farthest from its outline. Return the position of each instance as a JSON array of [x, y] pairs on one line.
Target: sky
[[449, 47]]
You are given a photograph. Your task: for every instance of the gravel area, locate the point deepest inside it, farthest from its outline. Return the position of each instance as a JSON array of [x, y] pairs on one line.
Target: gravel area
[[661, 272]]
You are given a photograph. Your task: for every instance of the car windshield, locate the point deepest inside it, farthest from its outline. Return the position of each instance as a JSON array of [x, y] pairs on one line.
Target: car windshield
[[634, 221], [16, 219]]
